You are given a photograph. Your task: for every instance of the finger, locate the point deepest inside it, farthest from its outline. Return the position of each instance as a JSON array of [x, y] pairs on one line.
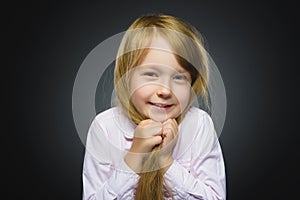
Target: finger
[[175, 126], [158, 132], [167, 121], [169, 134], [172, 122], [171, 125], [145, 122], [166, 131], [153, 124], [155, 140], [147, 133], [148, 128], [154, 128]]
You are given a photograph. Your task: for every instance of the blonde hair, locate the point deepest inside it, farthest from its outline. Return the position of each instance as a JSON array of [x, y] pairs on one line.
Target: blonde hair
[[188, 47]]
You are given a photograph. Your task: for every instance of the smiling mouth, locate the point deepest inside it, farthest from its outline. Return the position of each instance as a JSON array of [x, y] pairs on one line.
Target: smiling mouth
[[161, 105]]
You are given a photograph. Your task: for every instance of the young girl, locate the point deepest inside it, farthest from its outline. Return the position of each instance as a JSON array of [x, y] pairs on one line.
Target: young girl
[[155, 144]]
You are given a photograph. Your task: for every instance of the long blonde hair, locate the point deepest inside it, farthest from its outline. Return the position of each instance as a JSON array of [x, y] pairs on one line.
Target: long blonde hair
[[187, 44]]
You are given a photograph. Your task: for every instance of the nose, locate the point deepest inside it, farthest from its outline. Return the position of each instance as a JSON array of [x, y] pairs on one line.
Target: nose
[[163, 92]]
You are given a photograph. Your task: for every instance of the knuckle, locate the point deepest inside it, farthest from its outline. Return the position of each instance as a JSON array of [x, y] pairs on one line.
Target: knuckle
[[156, 140], [145, 122]]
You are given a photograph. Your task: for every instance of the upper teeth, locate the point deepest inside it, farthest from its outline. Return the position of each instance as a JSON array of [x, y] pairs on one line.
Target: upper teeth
[[160, 105]]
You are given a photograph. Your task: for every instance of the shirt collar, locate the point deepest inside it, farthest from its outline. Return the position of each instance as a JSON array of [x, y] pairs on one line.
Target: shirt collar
[[122, 121]]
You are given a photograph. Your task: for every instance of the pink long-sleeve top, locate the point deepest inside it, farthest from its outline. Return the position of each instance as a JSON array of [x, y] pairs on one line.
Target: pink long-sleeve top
[[197, 172]]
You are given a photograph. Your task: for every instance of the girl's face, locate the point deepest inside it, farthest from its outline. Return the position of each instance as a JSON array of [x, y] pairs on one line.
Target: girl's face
[[160, 88]]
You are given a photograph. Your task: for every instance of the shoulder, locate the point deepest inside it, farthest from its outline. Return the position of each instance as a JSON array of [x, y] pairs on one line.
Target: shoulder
[[197, 121], [110, 115], [104, 119], [106, 115], [196, 111], [195, 114], [115, 119]]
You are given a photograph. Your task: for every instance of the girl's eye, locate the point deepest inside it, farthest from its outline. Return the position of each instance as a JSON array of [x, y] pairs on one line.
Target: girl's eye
[[152, 74], [180, 77]]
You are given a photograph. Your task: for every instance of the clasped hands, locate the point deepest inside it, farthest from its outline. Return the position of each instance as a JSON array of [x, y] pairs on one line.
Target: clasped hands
[[148, 135]]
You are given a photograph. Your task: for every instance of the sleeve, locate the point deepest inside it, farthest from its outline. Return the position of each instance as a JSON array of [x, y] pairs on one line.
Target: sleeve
[[103, 179], [206, 178]]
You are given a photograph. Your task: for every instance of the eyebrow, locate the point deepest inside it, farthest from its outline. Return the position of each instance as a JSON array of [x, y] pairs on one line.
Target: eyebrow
[[182, 70]]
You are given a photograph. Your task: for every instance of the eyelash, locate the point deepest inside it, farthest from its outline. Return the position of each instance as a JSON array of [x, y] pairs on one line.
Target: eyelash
[[177, 77], [180, 77], [152, 74]]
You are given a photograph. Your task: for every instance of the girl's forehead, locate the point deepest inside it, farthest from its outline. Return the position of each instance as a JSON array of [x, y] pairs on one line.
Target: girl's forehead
[[159, 42], [159, 57]]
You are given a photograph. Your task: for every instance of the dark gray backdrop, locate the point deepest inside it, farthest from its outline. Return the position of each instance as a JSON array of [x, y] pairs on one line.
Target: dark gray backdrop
[[254, 44]]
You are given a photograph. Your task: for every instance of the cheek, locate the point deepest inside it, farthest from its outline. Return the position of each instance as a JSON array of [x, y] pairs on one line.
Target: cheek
[[140, 95], [142, 92], [182, 95]]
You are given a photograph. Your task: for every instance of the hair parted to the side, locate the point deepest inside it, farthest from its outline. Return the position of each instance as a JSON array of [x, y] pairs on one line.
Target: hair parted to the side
[[188, 48]]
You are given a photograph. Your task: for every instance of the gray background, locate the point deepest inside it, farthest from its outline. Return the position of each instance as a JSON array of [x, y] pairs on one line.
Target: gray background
[[254, 44]]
